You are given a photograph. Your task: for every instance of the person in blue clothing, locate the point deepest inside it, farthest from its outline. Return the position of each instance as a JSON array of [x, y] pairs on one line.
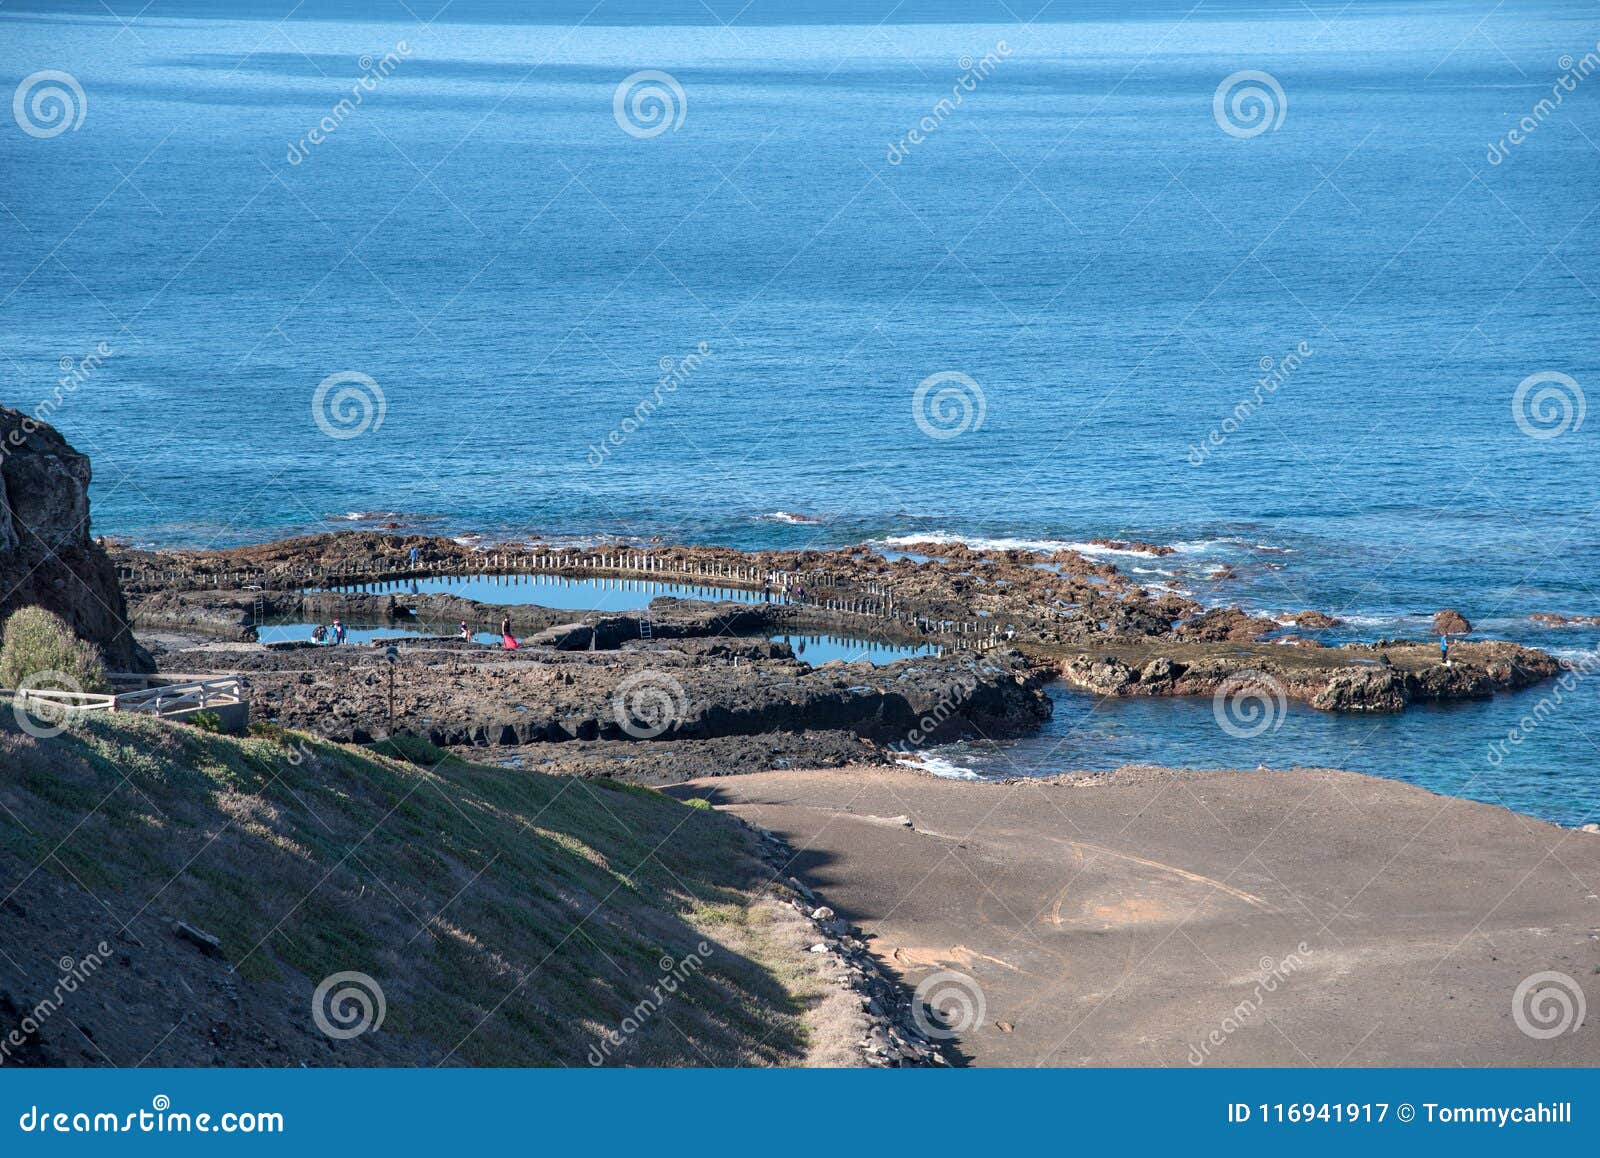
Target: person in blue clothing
[[1444, 650], [338, 631]]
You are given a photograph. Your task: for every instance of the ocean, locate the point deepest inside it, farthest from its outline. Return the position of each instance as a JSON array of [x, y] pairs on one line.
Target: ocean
[[1310, 293]]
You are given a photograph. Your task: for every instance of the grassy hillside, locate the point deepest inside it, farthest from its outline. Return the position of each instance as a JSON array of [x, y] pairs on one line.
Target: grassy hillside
[[509, 918]]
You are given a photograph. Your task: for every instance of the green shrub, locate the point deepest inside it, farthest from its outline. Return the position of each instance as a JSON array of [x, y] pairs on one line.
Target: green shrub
[[37, 641], [698, 802], [206, 721]]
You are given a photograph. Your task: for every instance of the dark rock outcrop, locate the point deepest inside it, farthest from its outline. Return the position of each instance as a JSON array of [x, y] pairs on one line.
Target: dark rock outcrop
[[1364, 689], [1351, 679], [1315, 620], [1552, 619], [46, 556], [648, 691], [1224, 624]]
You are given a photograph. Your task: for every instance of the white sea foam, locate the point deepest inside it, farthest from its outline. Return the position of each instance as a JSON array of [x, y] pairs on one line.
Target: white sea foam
[[1181, 592], [791, 518], [1209, 546], [1580, 655], [939, 766], [1005, 543]]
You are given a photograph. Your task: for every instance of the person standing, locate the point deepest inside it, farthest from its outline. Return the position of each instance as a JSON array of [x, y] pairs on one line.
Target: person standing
[[338, 631], [507, 641]]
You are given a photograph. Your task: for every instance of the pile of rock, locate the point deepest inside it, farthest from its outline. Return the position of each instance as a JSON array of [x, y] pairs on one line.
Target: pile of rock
[[893, 1036]]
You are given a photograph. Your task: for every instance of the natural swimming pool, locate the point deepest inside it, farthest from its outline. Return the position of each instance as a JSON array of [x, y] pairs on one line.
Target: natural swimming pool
[[301, 632], [563, 593], [817, 649]]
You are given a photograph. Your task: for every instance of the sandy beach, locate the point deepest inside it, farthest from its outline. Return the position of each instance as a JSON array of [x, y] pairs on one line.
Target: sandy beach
[[1158, 918]]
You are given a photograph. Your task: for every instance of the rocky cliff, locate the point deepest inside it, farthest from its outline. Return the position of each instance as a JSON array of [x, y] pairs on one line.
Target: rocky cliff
[[46, 556]]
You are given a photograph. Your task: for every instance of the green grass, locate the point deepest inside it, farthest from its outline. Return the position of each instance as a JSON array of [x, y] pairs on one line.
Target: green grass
[[511, 917]]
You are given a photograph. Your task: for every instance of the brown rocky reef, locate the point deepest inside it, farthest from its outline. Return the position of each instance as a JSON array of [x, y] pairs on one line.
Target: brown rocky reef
[[46, 556], [1385, 676], [1070, 614]]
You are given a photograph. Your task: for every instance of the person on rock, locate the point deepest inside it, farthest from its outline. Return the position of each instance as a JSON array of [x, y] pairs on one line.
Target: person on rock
[[464, 632], [1444, 650], [319, 634], [507, 641], [338, 632]]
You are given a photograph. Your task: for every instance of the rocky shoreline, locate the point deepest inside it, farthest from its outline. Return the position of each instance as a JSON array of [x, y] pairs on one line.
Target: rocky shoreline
[[897, 1028], [461, 694], [1031, 617]]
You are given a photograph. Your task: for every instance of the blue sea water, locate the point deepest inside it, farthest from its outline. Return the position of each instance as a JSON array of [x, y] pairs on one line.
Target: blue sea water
[[776, 273]]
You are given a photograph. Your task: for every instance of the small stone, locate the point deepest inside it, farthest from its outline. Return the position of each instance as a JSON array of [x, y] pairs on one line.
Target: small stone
[[819, 947], [1004, 1026], [1591, 827], [822, 914], [199, 938]]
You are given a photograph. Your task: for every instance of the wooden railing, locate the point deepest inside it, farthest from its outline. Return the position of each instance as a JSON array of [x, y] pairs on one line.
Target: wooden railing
[[160, 700]]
